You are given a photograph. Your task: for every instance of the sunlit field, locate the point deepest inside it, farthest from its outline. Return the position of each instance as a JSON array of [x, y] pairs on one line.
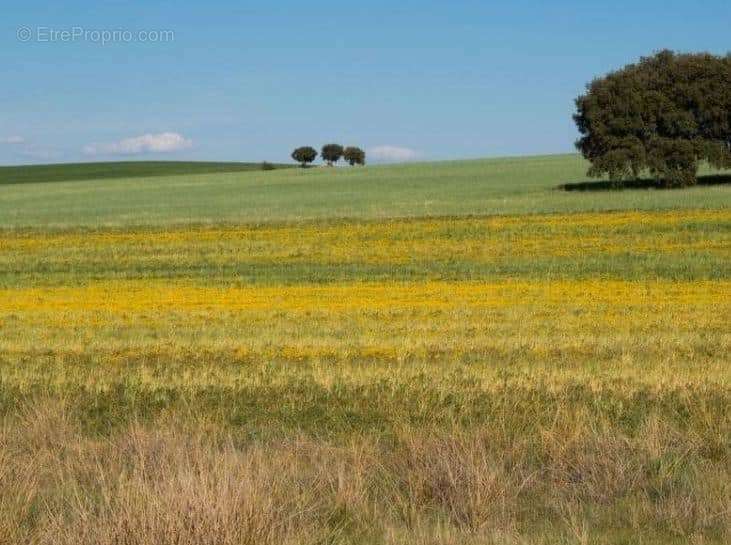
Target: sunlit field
[[494, 361], [524, 185]]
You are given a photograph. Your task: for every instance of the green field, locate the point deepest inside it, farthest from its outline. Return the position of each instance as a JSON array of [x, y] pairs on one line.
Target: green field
[[32, 174], [439, 353], [493, 186]]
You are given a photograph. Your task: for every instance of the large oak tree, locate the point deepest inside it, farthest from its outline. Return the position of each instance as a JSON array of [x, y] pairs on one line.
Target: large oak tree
[[662, 115]]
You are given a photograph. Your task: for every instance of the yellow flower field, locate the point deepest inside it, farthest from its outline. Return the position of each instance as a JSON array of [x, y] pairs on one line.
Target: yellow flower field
[[160, 296], [394, 242]]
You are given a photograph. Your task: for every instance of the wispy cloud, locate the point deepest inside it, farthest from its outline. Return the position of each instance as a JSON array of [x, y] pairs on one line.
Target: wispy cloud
[[393, 153], [147, 143], [12, 140], [19, 147], [40, 154]]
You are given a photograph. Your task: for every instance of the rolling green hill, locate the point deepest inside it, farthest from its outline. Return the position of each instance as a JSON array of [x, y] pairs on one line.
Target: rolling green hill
[[453, 188], [122, 169]]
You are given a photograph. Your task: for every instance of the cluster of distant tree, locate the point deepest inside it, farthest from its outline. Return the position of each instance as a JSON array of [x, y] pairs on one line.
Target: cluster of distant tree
[[663, 115], [331, 154]]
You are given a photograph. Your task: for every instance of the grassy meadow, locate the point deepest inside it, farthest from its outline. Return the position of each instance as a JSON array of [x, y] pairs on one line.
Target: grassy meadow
[[447, 353], [525, 185]]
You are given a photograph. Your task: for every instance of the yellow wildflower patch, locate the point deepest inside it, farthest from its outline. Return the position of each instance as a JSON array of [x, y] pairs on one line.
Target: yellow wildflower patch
[[394, 241], [141, 296]]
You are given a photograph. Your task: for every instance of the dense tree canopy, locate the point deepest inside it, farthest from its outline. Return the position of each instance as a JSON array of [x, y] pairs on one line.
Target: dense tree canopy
[[331, 153], [662, 115], [354, 156], [304, 155]]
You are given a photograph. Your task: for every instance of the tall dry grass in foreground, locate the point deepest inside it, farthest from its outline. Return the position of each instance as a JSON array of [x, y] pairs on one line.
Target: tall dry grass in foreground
[[171, 482]]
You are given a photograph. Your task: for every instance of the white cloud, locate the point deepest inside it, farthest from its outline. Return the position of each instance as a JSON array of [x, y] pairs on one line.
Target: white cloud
[[41, 154], [147, 143], [393, 153], [12, 140]]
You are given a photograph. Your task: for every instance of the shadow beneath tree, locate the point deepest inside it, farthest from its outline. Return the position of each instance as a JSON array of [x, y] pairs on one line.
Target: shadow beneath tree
[[605, 185]]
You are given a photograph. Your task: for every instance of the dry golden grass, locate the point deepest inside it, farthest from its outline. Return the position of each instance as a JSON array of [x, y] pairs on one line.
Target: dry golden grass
[[177, 483]]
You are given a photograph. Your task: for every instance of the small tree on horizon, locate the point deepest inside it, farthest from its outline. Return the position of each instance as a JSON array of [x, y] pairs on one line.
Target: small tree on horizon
[[354, 156], [304, 155], [331, 153]]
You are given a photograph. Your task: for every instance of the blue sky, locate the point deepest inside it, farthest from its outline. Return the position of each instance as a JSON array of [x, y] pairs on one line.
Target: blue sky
[[250, 80]]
